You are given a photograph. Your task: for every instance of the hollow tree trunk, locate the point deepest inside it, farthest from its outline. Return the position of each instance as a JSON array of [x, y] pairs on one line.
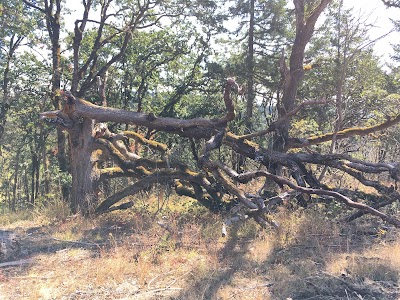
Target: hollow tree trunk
[[84, 171]]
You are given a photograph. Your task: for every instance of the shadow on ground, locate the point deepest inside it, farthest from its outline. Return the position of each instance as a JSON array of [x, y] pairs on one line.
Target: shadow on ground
[[313, 264], [312, 260]]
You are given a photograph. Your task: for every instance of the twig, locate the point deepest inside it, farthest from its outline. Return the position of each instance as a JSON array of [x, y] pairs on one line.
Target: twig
[[155, 277], [16, 263], [78, 242], [158, 290], [32, 277], [178, 278], [165, 226], [256, 286]]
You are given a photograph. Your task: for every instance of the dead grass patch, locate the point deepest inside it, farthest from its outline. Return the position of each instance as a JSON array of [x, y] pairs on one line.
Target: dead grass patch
[[381, 264], [127, 255]]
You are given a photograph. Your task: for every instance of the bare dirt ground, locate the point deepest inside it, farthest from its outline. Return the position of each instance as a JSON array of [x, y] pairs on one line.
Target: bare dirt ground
[[130, 256]]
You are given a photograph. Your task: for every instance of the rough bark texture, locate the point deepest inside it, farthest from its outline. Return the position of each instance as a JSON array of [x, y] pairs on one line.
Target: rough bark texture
[[293, 74], [84, 171], [250, 69]]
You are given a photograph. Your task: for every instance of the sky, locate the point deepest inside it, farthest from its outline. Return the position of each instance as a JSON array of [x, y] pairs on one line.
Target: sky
[[380, 16]]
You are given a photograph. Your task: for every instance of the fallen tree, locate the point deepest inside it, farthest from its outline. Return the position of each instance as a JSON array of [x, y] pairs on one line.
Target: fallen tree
[[92, 143], [211, 180]]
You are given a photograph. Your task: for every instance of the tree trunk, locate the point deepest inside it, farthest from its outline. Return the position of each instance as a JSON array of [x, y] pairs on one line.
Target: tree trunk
[[84, 170], [42, 151], [52, 12], [294, 74], [15, 183], [26, 187], [62, 161], [37, 176], [53, 27], [5, 105], [33, 175], [250, 70]]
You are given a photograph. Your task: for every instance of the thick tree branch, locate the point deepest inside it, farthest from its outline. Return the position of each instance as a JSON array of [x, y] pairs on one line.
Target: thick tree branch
[[361, 213], [79, 108], [142, 140], [215, 178], [343, 134]]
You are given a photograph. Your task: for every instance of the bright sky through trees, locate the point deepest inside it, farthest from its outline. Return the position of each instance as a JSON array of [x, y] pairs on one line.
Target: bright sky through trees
[[377, 13], [372, 10]]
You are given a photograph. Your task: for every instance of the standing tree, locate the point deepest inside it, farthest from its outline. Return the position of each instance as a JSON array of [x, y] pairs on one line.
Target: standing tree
[[351, 74], [11, 38], [51, 10], [261, 32], [25, 136], [306, 17]]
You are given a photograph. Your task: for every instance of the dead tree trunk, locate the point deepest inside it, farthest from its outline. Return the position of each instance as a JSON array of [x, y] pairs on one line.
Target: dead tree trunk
[[77, 117], [84, 171]]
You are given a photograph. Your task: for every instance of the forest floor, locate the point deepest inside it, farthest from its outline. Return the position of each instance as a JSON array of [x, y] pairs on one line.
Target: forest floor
[[179, 253]]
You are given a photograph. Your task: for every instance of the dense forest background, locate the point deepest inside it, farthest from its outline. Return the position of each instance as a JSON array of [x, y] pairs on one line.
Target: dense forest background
[[171, 59]]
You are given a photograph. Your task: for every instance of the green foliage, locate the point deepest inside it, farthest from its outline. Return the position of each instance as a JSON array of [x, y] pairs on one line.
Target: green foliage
[[304, 128], [393, 80], [15, 19], [270, 35], [346, 66]]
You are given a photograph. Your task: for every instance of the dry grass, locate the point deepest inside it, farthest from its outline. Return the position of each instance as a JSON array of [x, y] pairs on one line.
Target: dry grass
[[127, 255], [379, 264]]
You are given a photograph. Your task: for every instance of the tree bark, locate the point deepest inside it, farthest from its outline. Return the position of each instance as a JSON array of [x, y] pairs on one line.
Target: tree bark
[[34, 172], [250, 71], [294, 74], [15, 183], [214, 179], [53, 27], [84, 171]]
